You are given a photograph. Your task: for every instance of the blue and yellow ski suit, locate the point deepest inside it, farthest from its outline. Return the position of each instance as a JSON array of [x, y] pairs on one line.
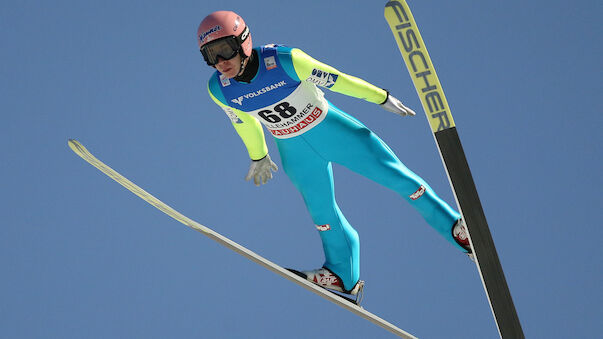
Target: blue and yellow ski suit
[[311, 133]]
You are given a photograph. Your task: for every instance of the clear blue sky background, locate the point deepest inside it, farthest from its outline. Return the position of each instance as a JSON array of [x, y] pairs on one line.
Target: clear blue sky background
[[81, 257]]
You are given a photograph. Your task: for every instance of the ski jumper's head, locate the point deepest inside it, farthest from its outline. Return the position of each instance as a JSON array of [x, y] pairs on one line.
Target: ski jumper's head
[[223, 38]]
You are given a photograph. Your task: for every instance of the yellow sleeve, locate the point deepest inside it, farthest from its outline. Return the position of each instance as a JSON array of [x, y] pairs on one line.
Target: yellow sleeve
[[305, 65], [249, 129]]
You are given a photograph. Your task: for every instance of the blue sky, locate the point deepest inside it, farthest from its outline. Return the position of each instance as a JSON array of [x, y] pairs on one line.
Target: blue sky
[[82, 257]]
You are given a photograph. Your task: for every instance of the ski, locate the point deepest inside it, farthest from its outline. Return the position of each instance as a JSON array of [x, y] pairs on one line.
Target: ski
[[429, 89], [345, 302]]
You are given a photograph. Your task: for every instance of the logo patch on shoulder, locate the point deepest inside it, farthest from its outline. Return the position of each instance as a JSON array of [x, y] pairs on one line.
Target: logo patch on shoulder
[[224, 80], [270, 63], [322, 78]]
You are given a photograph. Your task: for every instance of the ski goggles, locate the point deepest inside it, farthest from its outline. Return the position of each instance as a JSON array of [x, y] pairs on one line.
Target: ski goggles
[[225, 48]]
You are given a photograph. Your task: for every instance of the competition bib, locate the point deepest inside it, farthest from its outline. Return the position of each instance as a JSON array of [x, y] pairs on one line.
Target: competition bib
[[287, 107], [295, 114]]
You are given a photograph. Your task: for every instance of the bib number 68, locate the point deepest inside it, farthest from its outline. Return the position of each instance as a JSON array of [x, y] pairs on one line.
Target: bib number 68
[[282, 110]]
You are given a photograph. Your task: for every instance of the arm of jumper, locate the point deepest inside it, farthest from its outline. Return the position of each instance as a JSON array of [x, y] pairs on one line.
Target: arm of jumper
[[310, 69], [249, 129]]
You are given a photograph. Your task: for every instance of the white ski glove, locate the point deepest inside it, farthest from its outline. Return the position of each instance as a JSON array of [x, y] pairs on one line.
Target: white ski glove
[[260, 170], [395, 106]]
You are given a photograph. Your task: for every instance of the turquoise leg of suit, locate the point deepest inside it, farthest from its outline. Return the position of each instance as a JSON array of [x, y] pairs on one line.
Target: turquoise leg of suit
[[344, 140]]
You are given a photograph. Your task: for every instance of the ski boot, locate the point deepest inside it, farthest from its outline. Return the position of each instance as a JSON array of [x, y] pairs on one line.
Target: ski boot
[[460, 235], [324, 278]]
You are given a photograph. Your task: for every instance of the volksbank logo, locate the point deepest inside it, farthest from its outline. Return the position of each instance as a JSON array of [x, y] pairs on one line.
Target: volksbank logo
[[259, 92]]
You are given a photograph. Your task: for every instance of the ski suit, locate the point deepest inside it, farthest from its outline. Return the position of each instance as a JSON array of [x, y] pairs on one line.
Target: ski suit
[[310, 134]]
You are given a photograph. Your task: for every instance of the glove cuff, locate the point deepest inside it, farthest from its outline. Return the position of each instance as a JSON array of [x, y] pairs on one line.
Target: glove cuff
[[262, 158], [386, 96]]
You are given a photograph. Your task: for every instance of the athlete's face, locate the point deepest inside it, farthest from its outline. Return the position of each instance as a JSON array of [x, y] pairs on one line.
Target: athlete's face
[[229, 68]]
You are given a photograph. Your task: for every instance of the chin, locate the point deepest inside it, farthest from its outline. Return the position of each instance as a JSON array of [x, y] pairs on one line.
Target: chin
[[231, 74]]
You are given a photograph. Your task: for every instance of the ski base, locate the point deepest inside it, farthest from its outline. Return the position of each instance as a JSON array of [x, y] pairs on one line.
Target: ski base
[[337, 299], [426, 82]]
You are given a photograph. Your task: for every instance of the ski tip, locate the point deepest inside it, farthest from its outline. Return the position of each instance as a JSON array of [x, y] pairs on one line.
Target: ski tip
[[76, 146], [72, 143]]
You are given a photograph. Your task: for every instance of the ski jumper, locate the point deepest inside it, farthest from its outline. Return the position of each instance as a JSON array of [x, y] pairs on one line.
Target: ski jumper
[[310, 134]]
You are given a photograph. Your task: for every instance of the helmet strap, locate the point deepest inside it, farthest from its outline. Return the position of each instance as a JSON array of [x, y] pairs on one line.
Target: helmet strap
[[244, 60], [249, 67]]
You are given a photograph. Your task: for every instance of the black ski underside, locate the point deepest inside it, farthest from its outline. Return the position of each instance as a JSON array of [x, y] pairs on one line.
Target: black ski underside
[[481, 238]]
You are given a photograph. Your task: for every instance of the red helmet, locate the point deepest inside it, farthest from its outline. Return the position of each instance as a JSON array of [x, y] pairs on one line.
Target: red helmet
[[223, 34]]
